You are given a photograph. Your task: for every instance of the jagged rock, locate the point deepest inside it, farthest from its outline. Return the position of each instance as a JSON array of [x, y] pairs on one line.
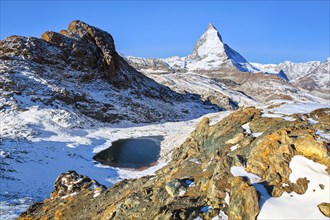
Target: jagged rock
[[69, 189], [271, 156], [313, 149], [263, 123], [243, 200], [175, 188], [300, 186], [322, 118], [325, 209], [86, 47], [71, 183], [206, 160], [236, 139]]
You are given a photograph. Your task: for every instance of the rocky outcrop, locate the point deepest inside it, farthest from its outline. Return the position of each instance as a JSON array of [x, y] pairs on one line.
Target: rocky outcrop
[[80, 68], [71, 183], [81, 47], [243, 201], [69, 187], [199, 181]]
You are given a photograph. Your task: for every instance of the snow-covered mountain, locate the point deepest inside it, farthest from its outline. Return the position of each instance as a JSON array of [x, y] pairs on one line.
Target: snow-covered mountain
[[224, 67], [313, 76], [209, 54]]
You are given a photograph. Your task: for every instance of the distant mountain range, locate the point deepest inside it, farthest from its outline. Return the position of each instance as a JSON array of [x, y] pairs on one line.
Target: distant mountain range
[[222, 64]]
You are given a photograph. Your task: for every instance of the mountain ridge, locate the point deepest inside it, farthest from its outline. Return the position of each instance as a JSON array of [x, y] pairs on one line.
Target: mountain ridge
[[215, 59], [59, 64]]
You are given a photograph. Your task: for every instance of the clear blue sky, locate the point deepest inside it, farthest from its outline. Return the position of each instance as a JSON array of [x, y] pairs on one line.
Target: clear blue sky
[[262, 31]]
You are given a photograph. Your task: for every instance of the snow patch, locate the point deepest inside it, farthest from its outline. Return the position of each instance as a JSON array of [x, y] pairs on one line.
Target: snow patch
[[205, 209], [246, 127], [240, 171], [292, 108], [234, 147], [323, 134], [312, 121], [295, 206]]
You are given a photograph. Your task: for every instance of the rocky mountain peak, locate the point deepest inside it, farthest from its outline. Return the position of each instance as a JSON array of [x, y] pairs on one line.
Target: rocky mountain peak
[[209, 43], [101, 38], [211, 26], [210, 53]]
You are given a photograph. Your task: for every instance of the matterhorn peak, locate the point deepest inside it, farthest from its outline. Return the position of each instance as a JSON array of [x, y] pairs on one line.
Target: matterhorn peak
[[209, 43], [211, 27], [212, 32], [211, 53]]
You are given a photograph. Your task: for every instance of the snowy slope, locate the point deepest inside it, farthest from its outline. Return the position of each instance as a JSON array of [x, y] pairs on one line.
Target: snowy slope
[[39, 143], [313, 76], [208, 88]]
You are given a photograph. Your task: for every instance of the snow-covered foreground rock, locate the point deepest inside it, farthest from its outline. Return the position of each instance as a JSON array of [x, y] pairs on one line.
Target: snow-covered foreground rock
[[295, 206], [38, 144], [215, 170]]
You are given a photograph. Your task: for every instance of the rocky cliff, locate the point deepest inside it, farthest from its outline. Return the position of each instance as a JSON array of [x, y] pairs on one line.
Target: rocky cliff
[[224, 170]]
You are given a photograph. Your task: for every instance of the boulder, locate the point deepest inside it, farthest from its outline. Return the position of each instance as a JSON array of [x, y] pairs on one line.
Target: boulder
[[325, 209], [71, 183], [243, 201], [175, 188]]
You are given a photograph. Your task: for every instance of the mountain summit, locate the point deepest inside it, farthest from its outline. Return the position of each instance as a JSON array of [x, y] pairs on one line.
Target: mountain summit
[[210, 53], [210, 43]]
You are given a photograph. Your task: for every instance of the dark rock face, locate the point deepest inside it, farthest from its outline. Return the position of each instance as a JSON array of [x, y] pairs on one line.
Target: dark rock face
[[86, 47], [198, 182], [82, 47]]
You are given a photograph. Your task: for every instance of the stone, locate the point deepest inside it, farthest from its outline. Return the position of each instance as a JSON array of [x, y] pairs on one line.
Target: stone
[[325, 209], [175, 188], [313, 149], [71, 183], [271, 156], [243, 203], [236, 139], [301, 185]]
